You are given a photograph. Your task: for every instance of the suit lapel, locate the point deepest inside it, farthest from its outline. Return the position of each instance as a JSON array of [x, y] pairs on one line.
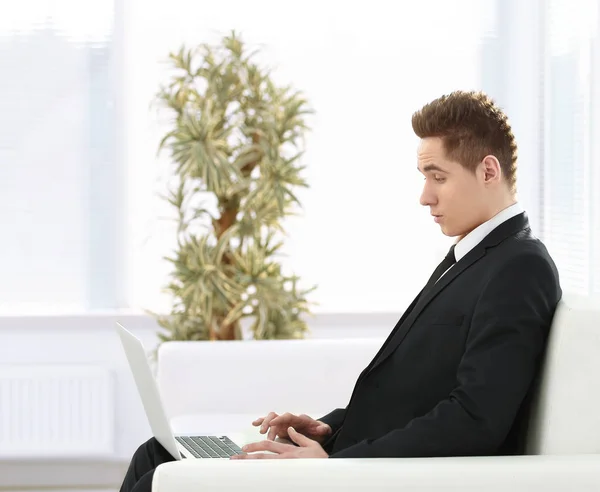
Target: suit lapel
[[405, 327], [503, 231], [391, 335]]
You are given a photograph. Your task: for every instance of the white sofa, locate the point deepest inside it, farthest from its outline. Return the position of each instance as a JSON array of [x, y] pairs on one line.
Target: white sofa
[[220, 388]]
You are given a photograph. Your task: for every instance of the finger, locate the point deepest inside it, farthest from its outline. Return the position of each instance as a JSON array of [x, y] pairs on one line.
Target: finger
[[283, 419], [256, 456], [265, 445], [258, 421], [299, 439], [267, 422], [272, 432], [323, 429], [274, 447]]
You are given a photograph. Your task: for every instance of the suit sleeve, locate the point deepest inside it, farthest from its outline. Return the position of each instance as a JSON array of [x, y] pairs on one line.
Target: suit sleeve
[[507, 337], [334, 419]]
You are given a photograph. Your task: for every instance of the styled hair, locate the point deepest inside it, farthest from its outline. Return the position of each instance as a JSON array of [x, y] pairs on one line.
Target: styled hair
[[471, 127]]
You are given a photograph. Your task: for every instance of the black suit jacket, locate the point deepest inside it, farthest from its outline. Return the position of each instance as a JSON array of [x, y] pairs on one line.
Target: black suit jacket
[[453, 376]]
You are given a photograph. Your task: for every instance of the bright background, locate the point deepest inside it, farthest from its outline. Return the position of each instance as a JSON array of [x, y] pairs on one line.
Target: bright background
[[85, 231]]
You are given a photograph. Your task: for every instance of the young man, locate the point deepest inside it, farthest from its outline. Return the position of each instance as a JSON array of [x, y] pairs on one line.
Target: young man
[[452, 378]]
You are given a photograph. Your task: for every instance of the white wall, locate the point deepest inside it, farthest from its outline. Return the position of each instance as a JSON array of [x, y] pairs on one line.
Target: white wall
[[365, 67]]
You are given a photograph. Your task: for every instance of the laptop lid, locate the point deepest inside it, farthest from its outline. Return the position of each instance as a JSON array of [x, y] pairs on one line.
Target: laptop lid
[[148, 390]]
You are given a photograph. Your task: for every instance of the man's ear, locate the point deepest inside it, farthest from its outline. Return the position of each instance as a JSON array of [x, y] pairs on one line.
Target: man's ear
[[492, 171]]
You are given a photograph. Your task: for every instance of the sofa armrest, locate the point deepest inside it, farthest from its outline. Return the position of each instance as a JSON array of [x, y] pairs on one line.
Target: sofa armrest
[[492, 474]]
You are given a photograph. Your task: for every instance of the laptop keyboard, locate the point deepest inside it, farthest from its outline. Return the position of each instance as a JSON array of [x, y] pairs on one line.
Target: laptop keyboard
[[209, 446]]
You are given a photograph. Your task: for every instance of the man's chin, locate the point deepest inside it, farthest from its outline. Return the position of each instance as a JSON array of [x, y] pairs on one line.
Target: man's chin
[[446, 231]]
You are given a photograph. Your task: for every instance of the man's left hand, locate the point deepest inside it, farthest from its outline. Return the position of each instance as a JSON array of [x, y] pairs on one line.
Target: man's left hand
[[307, 448]]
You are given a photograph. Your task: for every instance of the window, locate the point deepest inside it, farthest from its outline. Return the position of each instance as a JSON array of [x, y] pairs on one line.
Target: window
[[57, 149]]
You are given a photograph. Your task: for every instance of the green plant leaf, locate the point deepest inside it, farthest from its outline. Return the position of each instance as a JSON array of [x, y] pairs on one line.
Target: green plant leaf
[[238, 136]]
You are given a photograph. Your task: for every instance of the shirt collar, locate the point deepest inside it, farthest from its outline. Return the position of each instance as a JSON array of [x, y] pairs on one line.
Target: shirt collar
[[478, 234]]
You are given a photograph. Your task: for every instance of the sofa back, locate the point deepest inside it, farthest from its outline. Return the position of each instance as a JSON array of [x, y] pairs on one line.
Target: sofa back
[[315, 376], [312, 376], [565, 417]]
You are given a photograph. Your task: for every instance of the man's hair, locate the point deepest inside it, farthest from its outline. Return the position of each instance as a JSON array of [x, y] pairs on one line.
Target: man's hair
[[471, 126]]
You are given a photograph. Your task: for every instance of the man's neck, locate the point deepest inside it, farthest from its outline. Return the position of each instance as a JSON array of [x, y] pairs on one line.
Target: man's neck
[[504, 204], [492, 213]]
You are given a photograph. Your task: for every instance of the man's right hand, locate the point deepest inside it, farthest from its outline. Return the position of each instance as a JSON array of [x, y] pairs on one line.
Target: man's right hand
[[277, 426]]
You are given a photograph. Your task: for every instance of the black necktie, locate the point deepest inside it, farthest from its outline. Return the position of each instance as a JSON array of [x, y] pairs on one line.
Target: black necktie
[[446, 263]]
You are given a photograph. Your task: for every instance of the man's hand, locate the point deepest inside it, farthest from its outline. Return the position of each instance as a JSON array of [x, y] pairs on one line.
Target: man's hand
[[277, 426], [307, 448]]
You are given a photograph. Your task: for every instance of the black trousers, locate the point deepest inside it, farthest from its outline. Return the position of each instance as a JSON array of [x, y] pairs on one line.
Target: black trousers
[[141, 469]]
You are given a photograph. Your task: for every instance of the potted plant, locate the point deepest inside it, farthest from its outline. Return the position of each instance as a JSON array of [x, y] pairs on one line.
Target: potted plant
[[235, 143]]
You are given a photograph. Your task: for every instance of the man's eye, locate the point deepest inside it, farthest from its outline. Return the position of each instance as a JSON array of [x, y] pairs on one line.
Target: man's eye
[[438, 178]]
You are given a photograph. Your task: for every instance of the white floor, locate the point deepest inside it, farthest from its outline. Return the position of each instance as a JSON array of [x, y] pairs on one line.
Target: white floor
[[61, 475], [59, 490]]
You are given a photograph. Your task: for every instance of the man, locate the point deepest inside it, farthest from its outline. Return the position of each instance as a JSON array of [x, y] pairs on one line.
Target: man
[[452, 378]]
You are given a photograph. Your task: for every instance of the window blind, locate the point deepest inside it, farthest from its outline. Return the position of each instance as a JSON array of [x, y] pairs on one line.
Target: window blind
[[570, 179], [57, 149]]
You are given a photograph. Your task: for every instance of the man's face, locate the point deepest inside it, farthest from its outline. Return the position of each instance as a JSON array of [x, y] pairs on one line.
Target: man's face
[[455, 196]]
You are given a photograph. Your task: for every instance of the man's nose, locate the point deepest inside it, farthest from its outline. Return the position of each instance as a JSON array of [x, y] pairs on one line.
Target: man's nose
[[427, 198]]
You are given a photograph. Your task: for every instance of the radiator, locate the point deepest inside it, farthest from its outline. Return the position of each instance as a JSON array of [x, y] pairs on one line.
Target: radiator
[[53, 411]]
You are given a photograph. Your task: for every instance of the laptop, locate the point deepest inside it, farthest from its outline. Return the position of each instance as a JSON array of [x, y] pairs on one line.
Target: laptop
[[178, 446]]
